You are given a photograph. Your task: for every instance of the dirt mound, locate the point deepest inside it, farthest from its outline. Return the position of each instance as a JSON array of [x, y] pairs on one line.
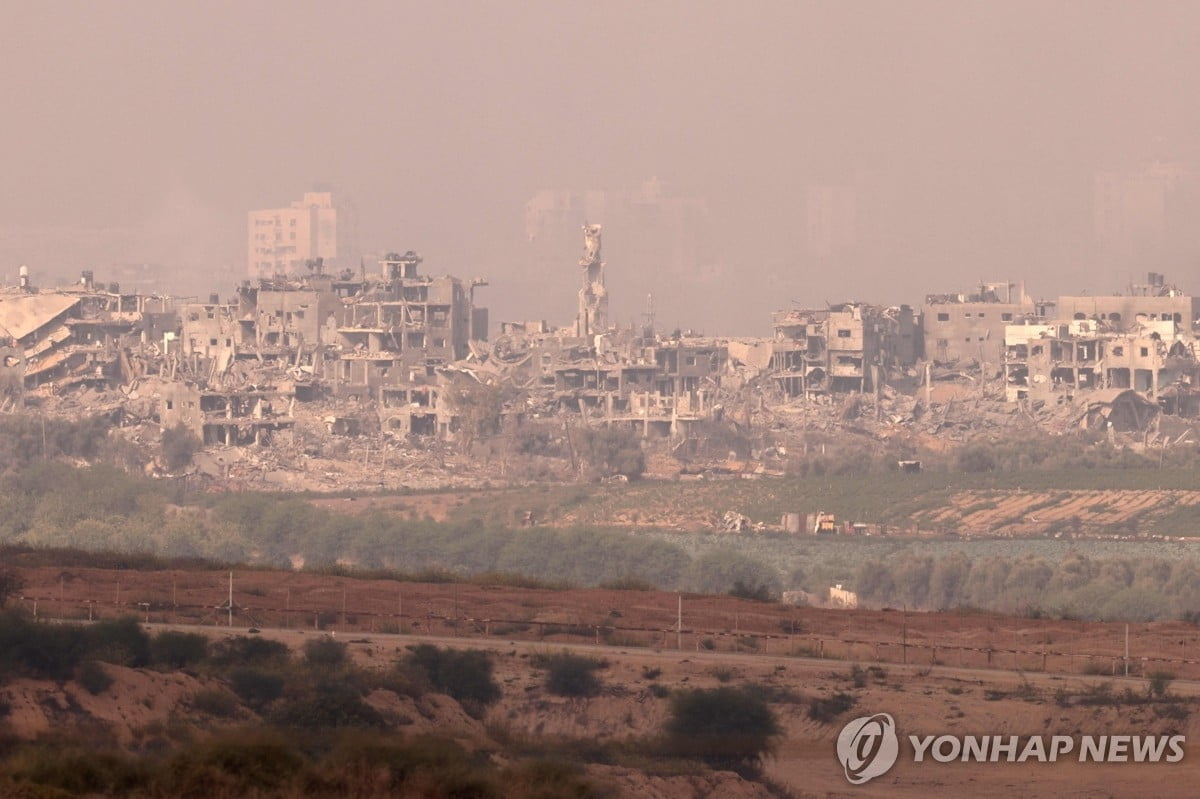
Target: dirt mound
[[713, 785], [431, 713], [135, 700]]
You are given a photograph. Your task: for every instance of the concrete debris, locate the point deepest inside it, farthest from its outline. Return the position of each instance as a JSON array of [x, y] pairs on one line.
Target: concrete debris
[[384, 380], [734, 522]]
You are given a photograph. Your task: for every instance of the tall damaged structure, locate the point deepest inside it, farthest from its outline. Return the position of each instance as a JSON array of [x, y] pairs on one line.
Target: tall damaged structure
[[593, 296]]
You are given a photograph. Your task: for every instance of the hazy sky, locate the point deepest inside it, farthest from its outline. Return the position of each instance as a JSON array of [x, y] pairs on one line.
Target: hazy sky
[[971, 130]]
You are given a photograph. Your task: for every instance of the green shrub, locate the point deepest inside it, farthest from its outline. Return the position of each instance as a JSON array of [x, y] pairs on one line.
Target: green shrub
[[40, 651], [726, 727], [248, 651], [57, 771], [325, 653], [976, 458], [328, 705], [614, 450], [93, 677], [255, 687], [178, 649], [10, 585], [240, 764], [1160, 681], [722, 570], [25, 439], [215, 702], [758, 593], [121, 642], [548, 778], [179, 446], [570, 675], [826, 710], [420, 766], [464, 674]]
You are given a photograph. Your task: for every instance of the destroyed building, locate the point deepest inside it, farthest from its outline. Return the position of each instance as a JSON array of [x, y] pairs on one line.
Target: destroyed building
[[1152, 301], [376, 341], [233, 417], [399, 327], [841, 348], [88, 333], [1064, 357], [394, 357], [970, 327]]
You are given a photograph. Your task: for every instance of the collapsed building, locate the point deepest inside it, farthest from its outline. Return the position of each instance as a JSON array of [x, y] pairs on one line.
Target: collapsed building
[[841, 348], [84, 334], [370, 341], [394, 354], [1046, 360], [1144, 342]]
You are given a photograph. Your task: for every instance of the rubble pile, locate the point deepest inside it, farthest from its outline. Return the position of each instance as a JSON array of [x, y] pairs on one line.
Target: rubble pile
[[362, 381]]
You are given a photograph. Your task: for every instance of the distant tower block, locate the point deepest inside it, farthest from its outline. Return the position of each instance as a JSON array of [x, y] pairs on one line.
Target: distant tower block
[[593, 297]]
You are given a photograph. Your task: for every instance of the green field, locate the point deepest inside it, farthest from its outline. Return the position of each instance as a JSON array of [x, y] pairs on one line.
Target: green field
[[887, 497]]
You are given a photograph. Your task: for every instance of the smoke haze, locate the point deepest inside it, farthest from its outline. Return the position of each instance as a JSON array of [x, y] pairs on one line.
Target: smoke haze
[[818, 151]]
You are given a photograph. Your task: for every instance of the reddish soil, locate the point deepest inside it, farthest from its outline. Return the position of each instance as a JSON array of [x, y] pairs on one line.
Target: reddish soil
[[305, 600]]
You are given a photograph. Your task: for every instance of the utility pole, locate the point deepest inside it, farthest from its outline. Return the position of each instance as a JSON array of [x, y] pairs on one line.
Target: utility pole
[[679, 622]]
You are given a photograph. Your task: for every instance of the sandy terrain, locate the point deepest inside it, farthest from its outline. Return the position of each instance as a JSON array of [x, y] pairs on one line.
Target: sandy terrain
[[923, 700], [1040, 512]]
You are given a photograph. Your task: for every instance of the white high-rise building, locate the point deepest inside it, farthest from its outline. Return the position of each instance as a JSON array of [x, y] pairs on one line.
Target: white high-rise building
[[282, 240]]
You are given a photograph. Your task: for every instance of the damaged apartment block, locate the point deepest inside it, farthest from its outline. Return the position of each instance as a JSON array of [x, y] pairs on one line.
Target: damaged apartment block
[[84, 334], [366, 341], [842, 348], [395, 360], [229, 417]]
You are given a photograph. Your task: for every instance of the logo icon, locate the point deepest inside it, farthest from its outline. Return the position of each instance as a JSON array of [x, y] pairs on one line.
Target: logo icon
[[867, 747]]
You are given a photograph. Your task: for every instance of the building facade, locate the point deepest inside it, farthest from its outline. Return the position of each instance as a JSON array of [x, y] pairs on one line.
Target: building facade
[[284, 240]]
